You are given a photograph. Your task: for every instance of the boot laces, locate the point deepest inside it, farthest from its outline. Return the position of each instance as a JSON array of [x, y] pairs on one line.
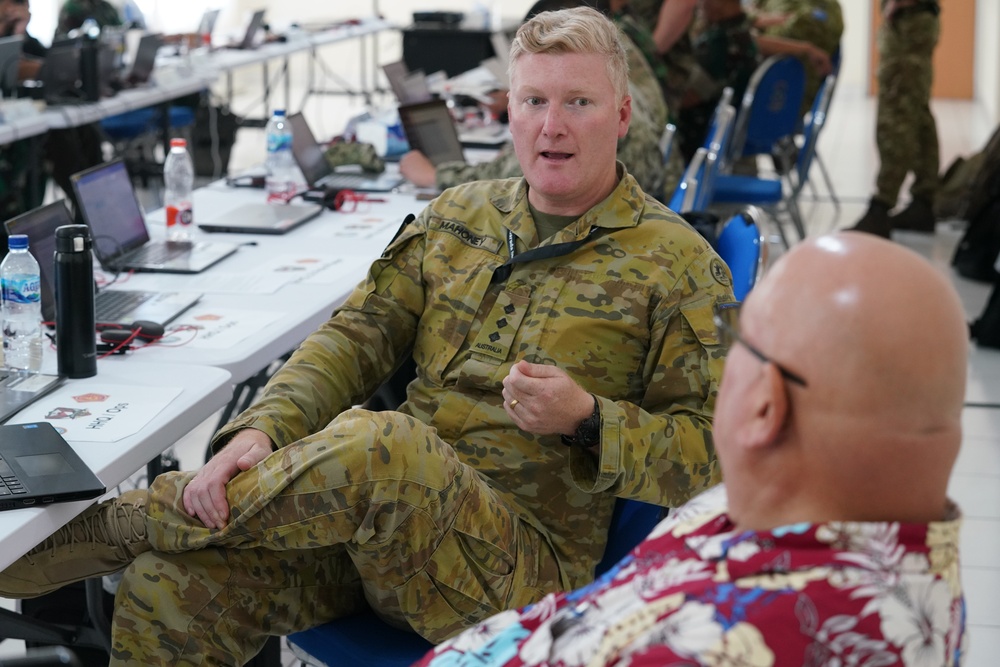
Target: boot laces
[[119, 530]]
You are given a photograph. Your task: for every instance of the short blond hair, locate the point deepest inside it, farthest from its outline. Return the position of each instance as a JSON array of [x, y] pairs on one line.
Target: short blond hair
[[577, 30]]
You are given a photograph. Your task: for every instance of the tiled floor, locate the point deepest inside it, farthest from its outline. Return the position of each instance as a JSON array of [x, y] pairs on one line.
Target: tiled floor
[[847, 147]]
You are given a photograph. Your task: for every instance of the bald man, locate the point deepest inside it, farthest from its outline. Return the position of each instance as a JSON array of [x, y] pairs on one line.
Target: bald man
[[832, 540]]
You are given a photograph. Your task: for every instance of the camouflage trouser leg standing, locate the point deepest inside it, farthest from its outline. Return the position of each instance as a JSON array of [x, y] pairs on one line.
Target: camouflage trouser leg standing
[[374, 506], [905, 131]]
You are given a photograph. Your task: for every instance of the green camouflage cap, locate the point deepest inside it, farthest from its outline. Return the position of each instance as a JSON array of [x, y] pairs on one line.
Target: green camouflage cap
[[355, 152]]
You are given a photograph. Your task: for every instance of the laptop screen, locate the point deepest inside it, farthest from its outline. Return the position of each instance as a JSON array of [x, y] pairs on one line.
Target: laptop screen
[[145, 58], [40, 227], [256, 21], [110, 208], [430, 129], [307, 153]]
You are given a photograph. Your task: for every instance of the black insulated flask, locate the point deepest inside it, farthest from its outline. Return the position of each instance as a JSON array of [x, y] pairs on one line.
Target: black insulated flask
[[76, 345]]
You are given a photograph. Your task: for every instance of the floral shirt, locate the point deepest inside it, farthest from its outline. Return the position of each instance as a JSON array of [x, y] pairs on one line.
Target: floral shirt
[[700, 591]]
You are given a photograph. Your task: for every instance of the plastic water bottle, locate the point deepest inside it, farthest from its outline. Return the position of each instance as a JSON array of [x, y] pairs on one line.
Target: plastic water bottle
[[21, 306], [178, 176], [281, 169]]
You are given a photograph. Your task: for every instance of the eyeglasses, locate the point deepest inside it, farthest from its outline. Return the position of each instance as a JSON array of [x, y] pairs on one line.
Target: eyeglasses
[[727, 321]]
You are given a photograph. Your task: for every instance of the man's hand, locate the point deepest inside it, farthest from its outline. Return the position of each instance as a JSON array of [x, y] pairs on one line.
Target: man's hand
[[16, 18], [544, 400], [205, 494], [820, 59], [417, 169]]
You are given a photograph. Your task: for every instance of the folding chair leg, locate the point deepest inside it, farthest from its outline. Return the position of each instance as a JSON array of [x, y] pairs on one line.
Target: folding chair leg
[[827, 182], [796, 216]]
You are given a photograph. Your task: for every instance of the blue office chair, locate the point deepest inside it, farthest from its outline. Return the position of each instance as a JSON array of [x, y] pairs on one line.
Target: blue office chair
[[836, 60], [742, 246], [134, 135], [364, 639], [771, 192], [769, 111]]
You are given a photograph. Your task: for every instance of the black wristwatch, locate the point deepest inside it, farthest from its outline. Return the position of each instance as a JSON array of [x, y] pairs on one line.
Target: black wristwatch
[[588, 433]]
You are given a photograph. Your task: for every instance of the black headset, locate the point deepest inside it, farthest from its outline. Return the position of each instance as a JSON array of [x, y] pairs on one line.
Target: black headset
[[117, 338]]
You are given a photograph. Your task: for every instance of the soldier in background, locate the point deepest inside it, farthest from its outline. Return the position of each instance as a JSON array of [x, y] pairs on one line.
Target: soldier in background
[[562, 330], [905, 130], [819, 23]]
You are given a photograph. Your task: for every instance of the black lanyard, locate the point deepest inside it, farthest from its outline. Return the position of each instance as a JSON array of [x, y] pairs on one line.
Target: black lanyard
[[502, 272]]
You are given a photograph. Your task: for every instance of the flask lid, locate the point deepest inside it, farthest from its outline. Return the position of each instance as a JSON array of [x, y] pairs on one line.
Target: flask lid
[[73, 238], [17, 242]]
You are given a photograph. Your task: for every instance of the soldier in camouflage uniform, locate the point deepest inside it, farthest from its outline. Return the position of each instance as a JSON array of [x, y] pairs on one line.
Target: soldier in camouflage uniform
[[726, 50], [905, 130], [818, 22], [74, 12], [567, 303]]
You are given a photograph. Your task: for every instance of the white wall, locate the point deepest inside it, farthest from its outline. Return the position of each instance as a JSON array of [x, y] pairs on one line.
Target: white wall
[[987, 68]]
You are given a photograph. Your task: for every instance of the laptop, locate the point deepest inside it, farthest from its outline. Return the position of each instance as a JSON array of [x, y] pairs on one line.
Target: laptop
[[119, 306], [430, 129], [263, 218], [38, 467], [19, 390], [144, 60], [207, 24], [10, 57], [121, 238], [256, 22], [319, 175], [60, 72]]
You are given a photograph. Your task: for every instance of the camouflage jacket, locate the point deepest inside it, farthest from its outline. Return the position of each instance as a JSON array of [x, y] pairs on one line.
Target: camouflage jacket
[[728, 53], [628, 316], [639, 149]]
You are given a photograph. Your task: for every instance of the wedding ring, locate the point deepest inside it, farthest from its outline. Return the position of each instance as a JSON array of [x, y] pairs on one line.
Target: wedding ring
[[513, 403]]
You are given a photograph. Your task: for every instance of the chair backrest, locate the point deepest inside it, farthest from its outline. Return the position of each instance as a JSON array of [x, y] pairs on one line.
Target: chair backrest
[[631, 522], [770, 107], [814, 122], [684, 197], [667, 141], [742, 246], [717, 143]]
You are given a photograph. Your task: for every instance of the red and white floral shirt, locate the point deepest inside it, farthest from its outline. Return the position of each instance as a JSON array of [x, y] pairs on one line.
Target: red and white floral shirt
[[699, 591]]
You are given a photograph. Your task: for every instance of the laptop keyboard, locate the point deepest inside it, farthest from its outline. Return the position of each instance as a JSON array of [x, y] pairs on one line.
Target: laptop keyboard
[[158, 253], [113, 305], [9, 484]]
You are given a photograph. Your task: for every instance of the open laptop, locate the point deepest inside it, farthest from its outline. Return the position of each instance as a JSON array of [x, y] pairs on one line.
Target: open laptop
[[430, 129], [256, 22], [121, 238], [10, 57], [38, 467], [319, 175], [144, 60], [207, 24], [262, 218], [118, 306], [19, 390]]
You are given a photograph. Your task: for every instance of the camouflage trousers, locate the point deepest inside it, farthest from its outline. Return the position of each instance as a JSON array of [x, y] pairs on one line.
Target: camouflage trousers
[[375, 509], [905, 131]]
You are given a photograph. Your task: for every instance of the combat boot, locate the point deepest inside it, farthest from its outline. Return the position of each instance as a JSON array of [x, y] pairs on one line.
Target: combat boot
[[103, 539], [917, 217], [875, 220]]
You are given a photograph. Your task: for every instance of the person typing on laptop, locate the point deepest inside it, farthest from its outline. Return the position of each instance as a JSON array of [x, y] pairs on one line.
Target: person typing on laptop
[[561, 328]]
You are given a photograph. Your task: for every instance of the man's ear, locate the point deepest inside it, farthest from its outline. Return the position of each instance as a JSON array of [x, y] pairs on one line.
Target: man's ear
[[769, 407], [624, 116]]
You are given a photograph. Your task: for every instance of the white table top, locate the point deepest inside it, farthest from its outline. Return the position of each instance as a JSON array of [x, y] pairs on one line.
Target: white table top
[[205, 390], [345, 243]]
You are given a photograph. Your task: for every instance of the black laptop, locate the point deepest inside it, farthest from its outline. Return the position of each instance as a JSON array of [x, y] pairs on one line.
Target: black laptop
[[256, 23], [121, 239], [319, 175], [144, 60], [118, 306], [430, 129], [19, 389], [38, 467]]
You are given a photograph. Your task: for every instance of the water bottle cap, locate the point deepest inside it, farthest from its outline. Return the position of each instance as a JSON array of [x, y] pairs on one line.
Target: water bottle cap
[[181, 143], [280, 113], [18, 242]]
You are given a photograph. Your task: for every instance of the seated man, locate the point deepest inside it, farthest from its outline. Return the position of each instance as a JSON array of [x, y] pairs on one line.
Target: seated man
[[561, 329], [832, 540]]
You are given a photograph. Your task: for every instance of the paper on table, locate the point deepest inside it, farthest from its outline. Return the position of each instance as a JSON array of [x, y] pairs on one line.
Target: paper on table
[[91, 411], [219, 329]]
